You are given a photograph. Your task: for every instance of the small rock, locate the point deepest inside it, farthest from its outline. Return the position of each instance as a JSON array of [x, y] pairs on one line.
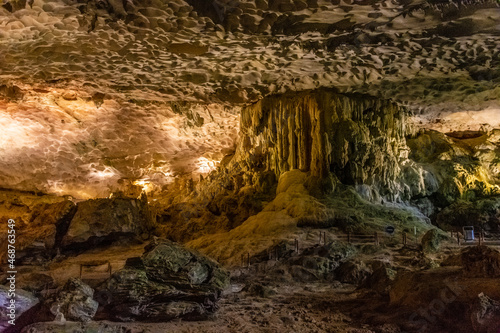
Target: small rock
[[481, 261], [431, 241], [75, 302], [24, 301]]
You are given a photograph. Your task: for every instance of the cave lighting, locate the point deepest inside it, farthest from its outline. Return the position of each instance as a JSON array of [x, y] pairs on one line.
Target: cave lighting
[[205, 165], [146, 185]]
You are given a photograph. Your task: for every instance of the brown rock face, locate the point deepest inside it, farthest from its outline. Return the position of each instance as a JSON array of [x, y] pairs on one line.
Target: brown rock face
[[485, 315], [166, 283], [99, 218], [359, 139], [40, 222]]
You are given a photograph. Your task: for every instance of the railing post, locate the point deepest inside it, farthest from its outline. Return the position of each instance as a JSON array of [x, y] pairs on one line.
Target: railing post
[[376, 238], [349, 237]]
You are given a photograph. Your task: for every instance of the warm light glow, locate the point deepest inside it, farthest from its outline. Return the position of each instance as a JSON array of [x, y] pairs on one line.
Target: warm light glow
[[108, 172], [146, 185], [205, 165]]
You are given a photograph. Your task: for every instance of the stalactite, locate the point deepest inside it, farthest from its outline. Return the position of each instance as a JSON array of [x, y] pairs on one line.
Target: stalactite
[[357, 138]]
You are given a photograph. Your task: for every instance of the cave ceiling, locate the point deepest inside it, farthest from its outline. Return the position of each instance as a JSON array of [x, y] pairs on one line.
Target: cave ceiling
[[102, 92]]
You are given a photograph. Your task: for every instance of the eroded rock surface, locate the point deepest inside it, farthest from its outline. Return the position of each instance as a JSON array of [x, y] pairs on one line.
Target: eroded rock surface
[[74, 302], [485, 314], [100, 219], [481, 261], [162, 74], [40, 222], [166, 283], [23, 302]]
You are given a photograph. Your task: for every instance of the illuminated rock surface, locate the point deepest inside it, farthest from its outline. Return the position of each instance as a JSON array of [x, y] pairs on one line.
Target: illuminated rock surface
[[283, 139]]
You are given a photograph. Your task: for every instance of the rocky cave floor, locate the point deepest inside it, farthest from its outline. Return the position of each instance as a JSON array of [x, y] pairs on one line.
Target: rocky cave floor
[[294, 294]]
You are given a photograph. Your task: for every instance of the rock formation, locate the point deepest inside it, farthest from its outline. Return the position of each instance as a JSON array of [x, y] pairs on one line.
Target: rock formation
[[74, 302], [358, 139], [321, 150], [96, 220], [166, 283]]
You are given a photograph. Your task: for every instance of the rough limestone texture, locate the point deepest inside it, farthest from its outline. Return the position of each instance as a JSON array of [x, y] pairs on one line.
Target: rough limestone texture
[[167, 282], [316, 263], [445, 294], [361, 140], [74, 302], [481, 261], [278, 220], [86, 86], [40, 221], [381, 279], [456, 165], [99, 218], [353, 272], [482, 214], [357, 139]]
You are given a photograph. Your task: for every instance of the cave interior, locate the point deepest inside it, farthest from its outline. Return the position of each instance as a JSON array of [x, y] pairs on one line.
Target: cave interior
[[249, 166]]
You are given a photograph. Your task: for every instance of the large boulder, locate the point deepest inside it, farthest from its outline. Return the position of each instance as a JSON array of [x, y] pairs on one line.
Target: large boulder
[[431, 241], [167, 282], [101, 219], [318, 262], [483, 213], [74, 302], [23, 302], [485, 315]]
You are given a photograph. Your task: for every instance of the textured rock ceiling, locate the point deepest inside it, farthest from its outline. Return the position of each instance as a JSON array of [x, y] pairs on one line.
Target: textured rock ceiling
[[410, 50], [86, 84]]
